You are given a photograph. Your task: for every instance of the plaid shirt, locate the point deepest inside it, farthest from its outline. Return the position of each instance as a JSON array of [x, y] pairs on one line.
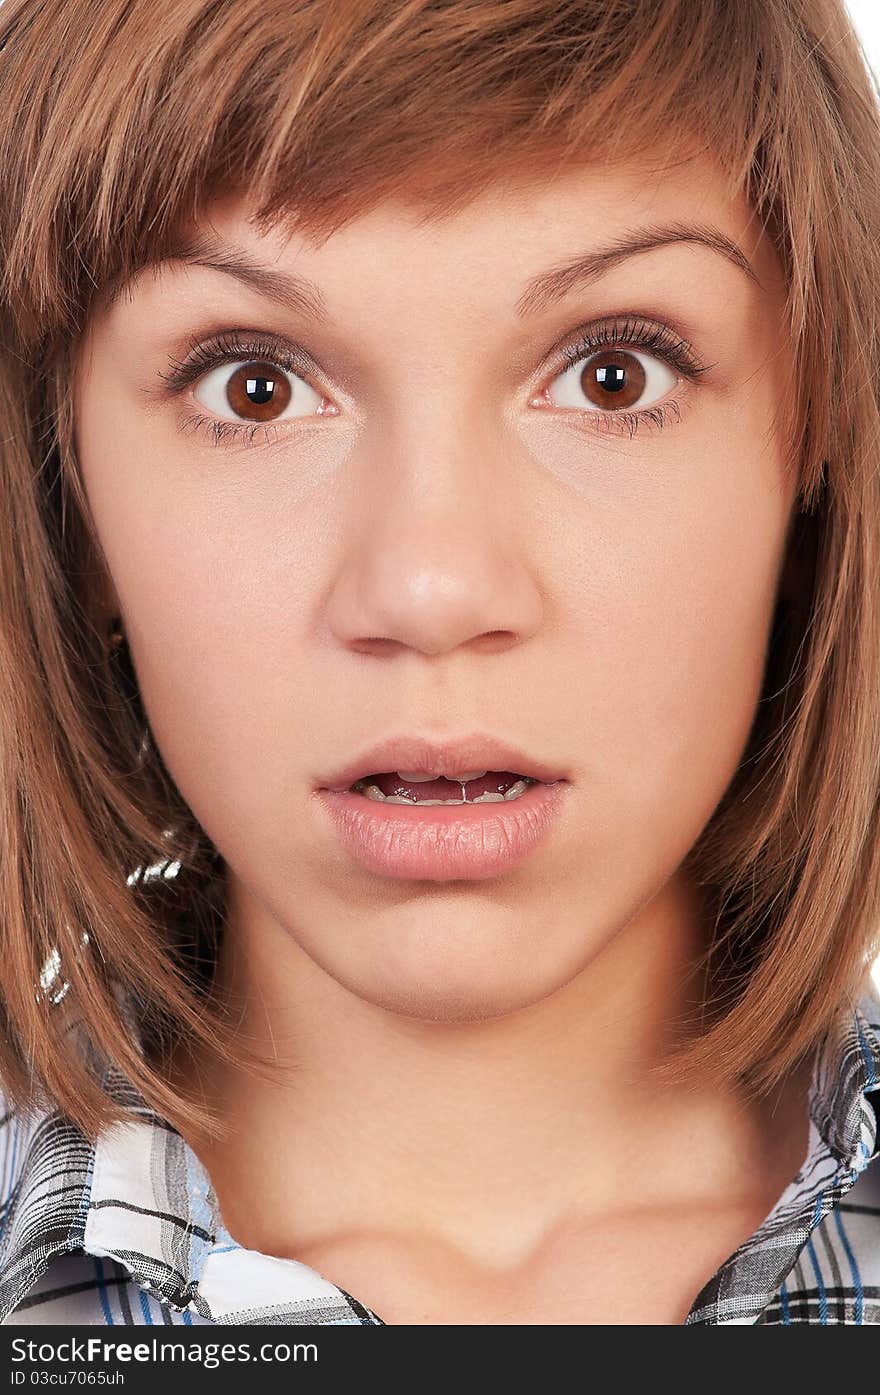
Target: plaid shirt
[[127, 1230]]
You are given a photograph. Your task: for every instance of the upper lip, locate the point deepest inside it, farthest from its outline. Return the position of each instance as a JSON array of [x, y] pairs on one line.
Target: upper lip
[[422, 755]]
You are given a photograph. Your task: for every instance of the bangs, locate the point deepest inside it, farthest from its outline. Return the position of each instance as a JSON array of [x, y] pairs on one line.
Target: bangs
[[319, 111]]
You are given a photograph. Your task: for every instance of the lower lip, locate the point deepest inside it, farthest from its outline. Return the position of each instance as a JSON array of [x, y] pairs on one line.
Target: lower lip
[[452, 842]]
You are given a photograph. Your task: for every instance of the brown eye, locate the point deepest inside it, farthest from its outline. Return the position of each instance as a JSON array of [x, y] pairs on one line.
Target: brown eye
[[256, 391], [613, 380]]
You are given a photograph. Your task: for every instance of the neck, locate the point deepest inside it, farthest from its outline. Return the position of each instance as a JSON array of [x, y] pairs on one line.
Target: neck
[[470, 1130]]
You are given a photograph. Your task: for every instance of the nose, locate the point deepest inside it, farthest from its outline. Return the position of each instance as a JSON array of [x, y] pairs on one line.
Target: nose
[[437, 552]]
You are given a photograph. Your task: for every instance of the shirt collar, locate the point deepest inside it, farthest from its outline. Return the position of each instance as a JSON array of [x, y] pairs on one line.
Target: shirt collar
[[843, 1135], [152, 1207], [140, 1195]]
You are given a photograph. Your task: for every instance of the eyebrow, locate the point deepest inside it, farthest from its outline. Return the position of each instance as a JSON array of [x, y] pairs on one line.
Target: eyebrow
[[305, 298], [295, 293], [550, 286]]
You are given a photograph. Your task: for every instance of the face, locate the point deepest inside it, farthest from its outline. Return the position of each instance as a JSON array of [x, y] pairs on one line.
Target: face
[[559, 522]]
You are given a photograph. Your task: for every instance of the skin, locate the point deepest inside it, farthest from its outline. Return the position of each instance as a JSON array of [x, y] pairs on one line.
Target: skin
[[461, 1128]]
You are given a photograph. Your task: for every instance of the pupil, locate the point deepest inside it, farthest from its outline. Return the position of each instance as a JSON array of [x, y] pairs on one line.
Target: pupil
[[612, 377], [260, 390]]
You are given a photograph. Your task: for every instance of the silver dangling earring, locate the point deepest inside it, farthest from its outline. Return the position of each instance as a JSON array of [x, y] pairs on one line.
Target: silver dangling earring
[[117, 641]]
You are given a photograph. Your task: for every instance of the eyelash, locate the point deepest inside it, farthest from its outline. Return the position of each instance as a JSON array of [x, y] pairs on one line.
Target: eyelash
[[230, 348]]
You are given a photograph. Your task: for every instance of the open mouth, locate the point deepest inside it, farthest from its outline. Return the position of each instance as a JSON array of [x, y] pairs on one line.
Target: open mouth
[[489, 787], [416, 825]]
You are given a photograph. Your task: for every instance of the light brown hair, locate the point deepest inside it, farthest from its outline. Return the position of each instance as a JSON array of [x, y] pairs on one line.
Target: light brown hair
[[119, 120]]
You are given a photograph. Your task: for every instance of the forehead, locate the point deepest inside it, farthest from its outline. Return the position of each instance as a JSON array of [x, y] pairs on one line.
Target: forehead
[[512, 225]]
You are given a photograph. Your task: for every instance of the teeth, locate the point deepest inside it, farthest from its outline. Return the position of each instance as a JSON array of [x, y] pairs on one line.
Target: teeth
[[411, 779], [373, 792]]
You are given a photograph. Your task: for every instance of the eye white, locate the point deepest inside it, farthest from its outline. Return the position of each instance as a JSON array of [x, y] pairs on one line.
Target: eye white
[[659, 378], [211, 391]]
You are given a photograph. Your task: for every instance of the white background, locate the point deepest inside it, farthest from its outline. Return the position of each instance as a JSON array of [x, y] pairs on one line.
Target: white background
[[865, 16]]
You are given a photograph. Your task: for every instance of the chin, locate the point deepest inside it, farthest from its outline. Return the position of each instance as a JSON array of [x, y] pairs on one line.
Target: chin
[[443, 1006], [436, 972], [440, 998]]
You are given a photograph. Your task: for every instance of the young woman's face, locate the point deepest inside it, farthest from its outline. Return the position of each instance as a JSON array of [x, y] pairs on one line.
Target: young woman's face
[[450, 528]]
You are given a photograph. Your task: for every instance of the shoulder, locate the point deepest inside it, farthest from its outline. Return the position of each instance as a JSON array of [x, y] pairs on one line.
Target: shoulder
[[867, 1021], [45, 1170], [869, 1002], [53, 1268]]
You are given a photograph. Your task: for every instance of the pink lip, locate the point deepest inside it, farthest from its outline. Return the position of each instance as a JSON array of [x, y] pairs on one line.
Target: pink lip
[[477, 751], [467, 842]]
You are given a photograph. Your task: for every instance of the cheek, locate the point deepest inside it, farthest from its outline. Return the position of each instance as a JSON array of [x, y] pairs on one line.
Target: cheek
[[209, 585], [679, 642], [219, 658]]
